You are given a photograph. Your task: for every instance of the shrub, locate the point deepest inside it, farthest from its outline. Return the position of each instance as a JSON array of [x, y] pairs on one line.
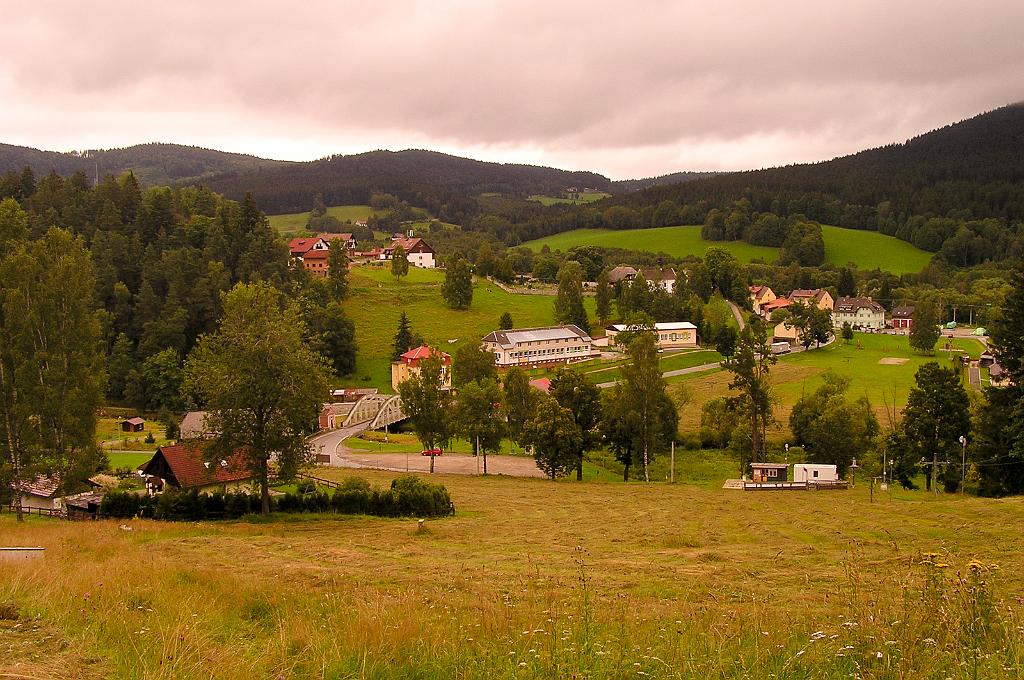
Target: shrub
[[408, 496]]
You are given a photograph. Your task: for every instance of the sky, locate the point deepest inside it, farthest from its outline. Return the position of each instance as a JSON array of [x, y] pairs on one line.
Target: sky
[[624, 89]]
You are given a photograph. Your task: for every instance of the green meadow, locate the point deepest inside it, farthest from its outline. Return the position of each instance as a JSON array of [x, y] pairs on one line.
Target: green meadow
[[292, 224], [376, 301], [880, 367], [582, 197], [865, 249]]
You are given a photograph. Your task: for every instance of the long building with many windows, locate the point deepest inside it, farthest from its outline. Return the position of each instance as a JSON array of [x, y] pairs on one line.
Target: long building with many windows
[[535, 346]]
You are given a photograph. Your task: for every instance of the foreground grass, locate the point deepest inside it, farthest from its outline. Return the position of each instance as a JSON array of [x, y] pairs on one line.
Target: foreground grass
[[531, 580], [865, 249]]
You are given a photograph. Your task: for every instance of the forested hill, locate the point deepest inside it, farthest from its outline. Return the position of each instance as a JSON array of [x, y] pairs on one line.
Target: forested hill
[[153, 164], [433, 180], [975, 167], [957, 191], [626, 185]]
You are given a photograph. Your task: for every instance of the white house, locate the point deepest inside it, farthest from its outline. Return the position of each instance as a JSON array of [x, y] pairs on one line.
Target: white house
[[859, 313], [416, 250]]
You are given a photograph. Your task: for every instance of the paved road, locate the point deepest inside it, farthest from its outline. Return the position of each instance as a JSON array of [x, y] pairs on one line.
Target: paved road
[[974, 375], [332, 442], [738, 314]]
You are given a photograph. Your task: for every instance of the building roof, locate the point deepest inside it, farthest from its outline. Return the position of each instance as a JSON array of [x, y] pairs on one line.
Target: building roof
[[760, 291], [777, 303], [996, 372], [658, 274], [665, 326], [135, 420], [411, 245], [301, 245], [903, 312], [43, 486], [331, 237], [422, 352], [87, 501], [770, 466], [512, 338], [850, 305], [316, 255], [542, 384], [193, 426], [620, 273], [188, 467]]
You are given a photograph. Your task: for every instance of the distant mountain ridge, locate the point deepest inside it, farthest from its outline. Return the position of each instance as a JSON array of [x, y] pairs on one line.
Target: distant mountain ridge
[[627, 185], [153, 163], [975, 165], [424, 178]]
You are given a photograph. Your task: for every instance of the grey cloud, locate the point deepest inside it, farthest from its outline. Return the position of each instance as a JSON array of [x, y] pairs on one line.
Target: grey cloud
[[616, 84]]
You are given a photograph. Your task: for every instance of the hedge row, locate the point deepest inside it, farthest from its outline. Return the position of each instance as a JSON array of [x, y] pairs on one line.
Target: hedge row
[[408, 496]]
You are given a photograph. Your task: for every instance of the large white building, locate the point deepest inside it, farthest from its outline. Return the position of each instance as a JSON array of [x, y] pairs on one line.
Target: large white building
[[532, 346], [671, 334], [860, 313]]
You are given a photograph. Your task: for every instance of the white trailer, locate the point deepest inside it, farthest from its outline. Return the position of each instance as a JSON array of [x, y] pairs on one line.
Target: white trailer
[[812, 472]]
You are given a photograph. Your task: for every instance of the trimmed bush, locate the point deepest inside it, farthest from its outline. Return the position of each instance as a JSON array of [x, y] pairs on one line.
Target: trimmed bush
[[408, 496]]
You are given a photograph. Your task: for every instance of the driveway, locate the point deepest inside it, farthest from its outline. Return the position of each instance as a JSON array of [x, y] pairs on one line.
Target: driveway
[[448, 464]]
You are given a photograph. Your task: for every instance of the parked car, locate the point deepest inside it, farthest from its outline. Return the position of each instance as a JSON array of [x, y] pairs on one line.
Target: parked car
[[431, 452]]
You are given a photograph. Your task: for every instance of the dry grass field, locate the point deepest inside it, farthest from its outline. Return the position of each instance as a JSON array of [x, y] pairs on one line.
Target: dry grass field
[[533, 579]]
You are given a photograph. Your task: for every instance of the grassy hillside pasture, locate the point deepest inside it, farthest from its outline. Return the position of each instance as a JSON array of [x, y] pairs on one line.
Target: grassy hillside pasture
[[885, 384], [582, 197], [866, 249], [674, 241], [292, 224], [376, 302], [871, 250], [532, 579]]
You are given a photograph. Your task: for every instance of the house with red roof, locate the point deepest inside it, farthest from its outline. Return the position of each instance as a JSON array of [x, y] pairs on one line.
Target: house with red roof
[[298, 247], [409, 364], [761, 296], [346, 240], [418, 252], [184, 467]]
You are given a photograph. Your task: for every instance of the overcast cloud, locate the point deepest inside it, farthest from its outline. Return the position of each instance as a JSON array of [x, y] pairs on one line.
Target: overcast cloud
[[625, 89]]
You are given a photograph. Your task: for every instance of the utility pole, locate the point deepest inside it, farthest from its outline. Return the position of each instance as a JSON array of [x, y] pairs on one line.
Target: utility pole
[[963, 463], [672, 469]]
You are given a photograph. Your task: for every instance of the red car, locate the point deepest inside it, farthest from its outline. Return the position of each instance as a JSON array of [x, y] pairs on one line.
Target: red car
[[431, 452]]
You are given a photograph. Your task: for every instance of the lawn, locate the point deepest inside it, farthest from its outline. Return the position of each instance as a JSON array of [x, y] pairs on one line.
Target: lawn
[[377, 300], [292, 224], [109, 435], [127, 459], [885, 384], [533, 579], [866, 249], [582, 197]]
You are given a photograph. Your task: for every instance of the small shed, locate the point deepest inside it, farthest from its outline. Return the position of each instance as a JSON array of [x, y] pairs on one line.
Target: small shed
[[135, 424], [768, 473], [813, 472], [986, 359]]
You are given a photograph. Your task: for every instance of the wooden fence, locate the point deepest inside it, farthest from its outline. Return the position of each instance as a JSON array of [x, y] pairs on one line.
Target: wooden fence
[[41, 512]]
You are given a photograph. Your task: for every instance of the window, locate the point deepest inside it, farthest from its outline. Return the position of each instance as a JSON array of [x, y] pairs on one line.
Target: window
[[815, 473]]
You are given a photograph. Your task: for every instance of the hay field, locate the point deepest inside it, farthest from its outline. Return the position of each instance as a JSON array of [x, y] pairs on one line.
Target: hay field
[[533, 579]]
